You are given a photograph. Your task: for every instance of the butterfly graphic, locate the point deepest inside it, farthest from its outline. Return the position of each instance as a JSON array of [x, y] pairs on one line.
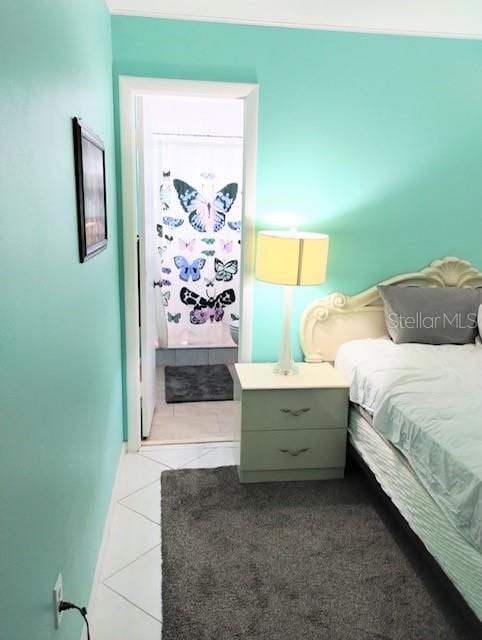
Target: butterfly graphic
[[165, 282], [234, 316], [226, 245], [169, 238], [159, 230], [171, 222], [210, 308], [165, 295], [204, 214], [173, 317], [183, 245], [166, 174], [165, 196], [235, 226], [209, 240], [209, 282], [192, 270], [162, 250], [225, 270], [166, 270], [208, 252]]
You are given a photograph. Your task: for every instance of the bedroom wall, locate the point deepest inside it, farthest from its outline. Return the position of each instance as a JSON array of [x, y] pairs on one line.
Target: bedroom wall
[[60, 362], [373, 139]]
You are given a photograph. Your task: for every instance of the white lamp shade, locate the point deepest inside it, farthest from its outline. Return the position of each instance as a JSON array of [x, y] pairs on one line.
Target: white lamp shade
[[291, 257]]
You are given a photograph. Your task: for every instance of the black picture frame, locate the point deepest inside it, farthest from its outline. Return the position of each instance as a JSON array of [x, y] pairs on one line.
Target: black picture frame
[[89, 155]]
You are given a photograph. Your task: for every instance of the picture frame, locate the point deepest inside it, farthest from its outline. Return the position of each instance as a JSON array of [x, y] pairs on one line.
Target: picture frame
[[89, 155]]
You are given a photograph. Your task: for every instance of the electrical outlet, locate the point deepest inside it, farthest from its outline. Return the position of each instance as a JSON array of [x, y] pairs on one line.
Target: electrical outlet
[[58, 594]]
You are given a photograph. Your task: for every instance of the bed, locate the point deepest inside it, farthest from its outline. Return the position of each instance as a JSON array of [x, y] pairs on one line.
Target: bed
[[351, 332]]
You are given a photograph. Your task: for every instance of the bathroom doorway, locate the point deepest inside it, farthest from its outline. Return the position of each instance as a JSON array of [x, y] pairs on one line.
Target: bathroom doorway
[[193, 182], [194, 192]]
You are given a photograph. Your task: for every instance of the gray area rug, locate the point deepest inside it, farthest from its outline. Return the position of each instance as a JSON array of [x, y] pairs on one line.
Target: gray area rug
[[290, 561], [199, 383]]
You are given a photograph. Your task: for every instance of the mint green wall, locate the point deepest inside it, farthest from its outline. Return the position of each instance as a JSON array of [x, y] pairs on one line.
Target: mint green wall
[[60, 367], [375, 139]]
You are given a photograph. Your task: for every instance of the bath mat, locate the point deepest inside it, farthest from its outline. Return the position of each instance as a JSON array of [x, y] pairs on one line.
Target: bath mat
[[283, 561], [199, 383]]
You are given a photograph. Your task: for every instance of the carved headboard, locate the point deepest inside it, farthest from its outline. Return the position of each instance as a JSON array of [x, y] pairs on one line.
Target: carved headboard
[[330, 322]]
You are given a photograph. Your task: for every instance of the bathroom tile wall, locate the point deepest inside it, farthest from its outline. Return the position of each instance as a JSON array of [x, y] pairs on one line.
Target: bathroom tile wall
[[227, 355]]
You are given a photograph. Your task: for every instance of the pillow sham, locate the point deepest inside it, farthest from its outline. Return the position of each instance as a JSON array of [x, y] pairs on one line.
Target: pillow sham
[[426, 315]]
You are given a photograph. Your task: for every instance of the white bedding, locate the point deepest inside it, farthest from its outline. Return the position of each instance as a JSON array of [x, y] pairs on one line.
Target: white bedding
[[427, 401]]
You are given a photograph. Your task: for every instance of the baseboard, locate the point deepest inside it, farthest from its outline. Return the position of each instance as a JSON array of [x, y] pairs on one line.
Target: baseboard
[[103, 543]]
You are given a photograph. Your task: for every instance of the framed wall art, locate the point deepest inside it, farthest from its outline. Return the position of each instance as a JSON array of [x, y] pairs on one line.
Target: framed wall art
[[89, 156]]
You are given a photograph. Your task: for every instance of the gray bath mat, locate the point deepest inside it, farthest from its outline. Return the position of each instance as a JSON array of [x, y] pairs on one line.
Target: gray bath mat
[[199, 383], [290, 561]]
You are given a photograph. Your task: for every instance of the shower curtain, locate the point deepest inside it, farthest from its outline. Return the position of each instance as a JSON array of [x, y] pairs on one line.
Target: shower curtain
[[199, 195]]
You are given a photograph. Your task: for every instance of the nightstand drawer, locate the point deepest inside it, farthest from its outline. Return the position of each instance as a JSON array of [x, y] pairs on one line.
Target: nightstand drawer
[[299, 449], [293, 409]]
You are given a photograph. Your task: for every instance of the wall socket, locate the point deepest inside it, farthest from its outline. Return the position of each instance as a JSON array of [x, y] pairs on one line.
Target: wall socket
[[58, 594]]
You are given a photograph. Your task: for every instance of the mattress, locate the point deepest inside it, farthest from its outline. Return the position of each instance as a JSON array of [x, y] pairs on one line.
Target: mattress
[[427, 401], [456, 556]]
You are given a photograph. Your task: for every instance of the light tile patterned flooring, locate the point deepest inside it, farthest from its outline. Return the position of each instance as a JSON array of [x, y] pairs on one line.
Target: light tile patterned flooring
[[190, 421], [128, 600]]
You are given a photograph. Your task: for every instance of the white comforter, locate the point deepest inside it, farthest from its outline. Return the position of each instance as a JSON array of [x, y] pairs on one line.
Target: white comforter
[[427, 401]]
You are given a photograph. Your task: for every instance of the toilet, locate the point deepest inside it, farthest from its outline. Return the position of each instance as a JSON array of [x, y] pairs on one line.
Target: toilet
[[234, 330]]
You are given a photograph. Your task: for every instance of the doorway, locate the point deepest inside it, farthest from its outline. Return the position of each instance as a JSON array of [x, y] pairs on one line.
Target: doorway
[[188, 166]]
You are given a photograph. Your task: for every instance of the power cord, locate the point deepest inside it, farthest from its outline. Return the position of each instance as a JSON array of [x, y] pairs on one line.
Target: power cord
[[65, 606]]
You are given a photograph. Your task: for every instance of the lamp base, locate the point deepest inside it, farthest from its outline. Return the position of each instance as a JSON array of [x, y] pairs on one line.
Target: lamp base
[[286, 370], [285, 366]]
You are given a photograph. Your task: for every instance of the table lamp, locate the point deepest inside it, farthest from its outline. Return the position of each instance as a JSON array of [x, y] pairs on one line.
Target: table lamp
[[290, 258]]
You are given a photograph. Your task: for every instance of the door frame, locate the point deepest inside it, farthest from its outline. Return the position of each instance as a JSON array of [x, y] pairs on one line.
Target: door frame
[[130, 88]]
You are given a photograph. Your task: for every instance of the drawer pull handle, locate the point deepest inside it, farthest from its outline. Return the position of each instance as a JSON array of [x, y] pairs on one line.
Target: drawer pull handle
[[294, 452], [296, 412]]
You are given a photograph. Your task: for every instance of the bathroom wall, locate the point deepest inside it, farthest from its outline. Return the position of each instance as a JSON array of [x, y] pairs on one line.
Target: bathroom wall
[[373, 139], [195, 167], [60, 345]]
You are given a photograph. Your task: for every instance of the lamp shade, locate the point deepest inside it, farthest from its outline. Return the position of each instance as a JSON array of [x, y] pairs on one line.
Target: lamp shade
[[291, 257]]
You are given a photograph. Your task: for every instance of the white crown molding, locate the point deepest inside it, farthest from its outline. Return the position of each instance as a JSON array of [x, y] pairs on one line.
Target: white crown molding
[[119, 7]]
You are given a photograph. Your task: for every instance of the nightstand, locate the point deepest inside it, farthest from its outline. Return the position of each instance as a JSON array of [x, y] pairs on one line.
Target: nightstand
[[291, 427]]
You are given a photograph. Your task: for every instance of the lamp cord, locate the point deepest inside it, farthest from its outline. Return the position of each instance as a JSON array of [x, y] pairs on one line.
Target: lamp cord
[[65, 606]]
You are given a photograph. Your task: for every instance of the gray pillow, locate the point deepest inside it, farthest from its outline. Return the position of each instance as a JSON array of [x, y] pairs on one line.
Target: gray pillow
[[446, 315]]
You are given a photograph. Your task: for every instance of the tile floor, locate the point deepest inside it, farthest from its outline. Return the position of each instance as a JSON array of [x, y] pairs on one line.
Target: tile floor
[[128, 600], [190, 421]]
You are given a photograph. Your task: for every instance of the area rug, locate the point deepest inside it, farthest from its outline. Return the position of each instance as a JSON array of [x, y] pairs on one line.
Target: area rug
[[199, 383], [290, 561]]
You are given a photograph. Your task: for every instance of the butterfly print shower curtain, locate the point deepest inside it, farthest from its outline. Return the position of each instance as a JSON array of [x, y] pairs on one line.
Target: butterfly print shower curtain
[[199, 204]]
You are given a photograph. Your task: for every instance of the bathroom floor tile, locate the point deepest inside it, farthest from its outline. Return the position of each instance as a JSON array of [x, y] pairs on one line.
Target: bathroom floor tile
[[186, 422], [195, 409], [163, 411]]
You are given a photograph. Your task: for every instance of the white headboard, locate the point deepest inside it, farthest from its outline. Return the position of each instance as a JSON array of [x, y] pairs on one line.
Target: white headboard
[[330, 322]]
